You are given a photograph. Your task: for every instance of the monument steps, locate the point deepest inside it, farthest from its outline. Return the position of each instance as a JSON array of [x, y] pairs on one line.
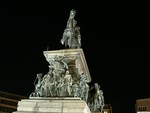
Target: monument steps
[[52, 106]]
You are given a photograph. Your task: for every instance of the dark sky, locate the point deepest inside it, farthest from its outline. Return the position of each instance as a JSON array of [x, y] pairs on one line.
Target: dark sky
[[114, 40]]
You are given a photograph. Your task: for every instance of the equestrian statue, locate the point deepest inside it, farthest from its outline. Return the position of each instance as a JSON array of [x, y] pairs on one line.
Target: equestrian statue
[[71, 37]]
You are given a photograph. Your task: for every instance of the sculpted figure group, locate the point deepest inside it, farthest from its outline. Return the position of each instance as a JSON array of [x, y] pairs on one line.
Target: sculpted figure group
[[59, 82]]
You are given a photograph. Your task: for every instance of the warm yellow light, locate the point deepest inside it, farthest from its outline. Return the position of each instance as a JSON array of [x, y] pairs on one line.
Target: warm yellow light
[[105, 112]]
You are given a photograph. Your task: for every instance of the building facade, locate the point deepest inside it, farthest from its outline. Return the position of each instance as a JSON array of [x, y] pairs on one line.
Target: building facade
[[142, 106], [107, 108], [9, 101]]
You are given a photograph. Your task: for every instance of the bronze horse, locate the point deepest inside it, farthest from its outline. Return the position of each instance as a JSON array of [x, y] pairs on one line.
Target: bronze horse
[[71, 36]]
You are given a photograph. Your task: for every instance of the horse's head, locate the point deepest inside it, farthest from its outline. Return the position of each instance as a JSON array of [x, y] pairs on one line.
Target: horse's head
[[72, 13]]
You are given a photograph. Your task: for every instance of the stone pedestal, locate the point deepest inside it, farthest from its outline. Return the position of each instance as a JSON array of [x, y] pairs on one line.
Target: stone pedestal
[[52, 105], [74, 58]]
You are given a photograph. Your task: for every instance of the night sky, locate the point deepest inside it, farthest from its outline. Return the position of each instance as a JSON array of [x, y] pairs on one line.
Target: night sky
[[114, 38]]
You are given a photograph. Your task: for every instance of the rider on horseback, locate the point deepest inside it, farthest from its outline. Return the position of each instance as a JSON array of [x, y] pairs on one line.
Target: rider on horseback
[[71, 36]]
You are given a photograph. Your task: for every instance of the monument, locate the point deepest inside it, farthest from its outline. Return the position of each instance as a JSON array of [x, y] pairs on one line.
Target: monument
[[65, 88]]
